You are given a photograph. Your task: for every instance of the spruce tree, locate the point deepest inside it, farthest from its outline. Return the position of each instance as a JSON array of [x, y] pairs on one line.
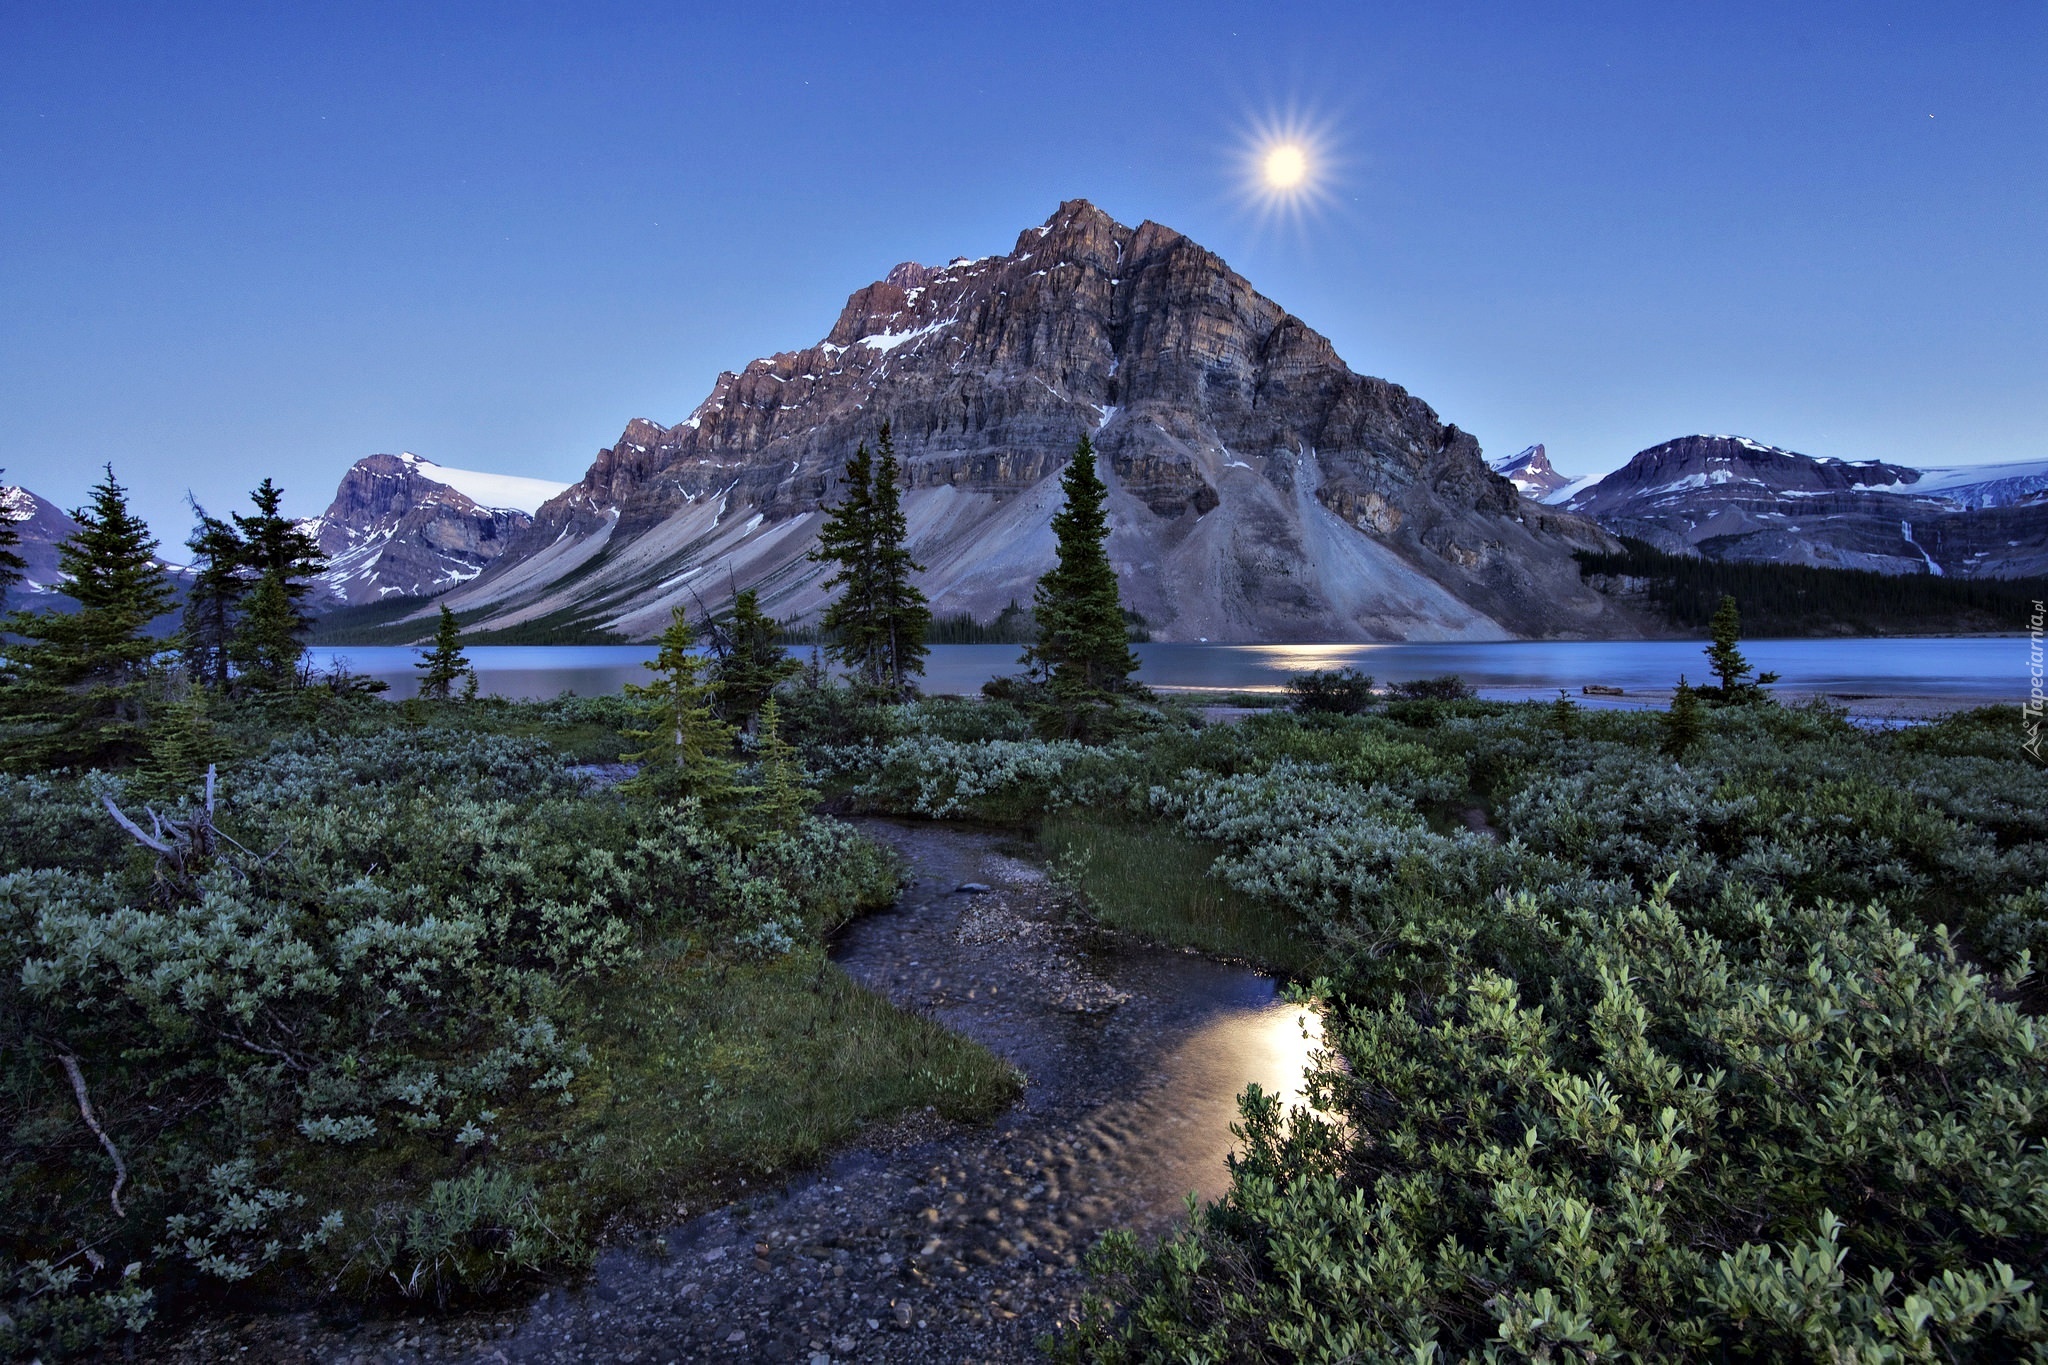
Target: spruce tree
[[1682, 725], [847, 539], [275, 544], [903, 614], [266, 647], [214, 601], [1724, 660], [13, 511], [275, 550], [780, 795], [688, 749], [183, 743], [754, 664], [445, 664], [82, 678], [1083, 648]]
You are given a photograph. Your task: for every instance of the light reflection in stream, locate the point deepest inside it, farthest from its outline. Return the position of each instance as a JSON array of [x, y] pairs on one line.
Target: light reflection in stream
[[1179, 1131]]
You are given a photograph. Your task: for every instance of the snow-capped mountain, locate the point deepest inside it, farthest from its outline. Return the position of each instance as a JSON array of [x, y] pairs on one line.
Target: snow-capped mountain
[[42, 526], [1729, 497], [1980, 486], [404, 526], [1533, 477], [1259, 488]]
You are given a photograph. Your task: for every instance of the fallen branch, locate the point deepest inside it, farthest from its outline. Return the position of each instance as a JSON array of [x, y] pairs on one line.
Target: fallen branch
[[70, 1064]]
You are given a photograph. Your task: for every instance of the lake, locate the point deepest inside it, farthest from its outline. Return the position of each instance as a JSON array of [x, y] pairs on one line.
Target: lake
[[1973, 671]]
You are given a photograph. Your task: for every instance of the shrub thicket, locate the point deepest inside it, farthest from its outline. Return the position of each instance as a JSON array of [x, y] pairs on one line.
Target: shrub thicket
[[1725, 1048], [355, 1039]]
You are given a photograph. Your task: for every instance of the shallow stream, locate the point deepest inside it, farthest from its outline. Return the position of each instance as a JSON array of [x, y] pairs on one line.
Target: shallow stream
[[929, 1242]]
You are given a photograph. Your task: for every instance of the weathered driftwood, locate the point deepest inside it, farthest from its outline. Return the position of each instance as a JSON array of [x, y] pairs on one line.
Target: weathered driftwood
[[174, 841]]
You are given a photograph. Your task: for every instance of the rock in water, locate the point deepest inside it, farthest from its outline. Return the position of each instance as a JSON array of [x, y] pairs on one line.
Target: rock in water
[[1259, 489]]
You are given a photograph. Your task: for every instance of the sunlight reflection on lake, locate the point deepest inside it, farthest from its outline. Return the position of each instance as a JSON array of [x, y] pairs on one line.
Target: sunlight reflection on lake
[[1977, 670]]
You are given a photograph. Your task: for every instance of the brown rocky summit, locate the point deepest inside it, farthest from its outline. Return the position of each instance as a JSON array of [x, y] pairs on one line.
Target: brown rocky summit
[[1260, 490]]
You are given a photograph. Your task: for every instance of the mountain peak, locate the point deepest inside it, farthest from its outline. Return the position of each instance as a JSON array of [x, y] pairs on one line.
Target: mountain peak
[[1531, 473], [1260, 488], [401, 525]]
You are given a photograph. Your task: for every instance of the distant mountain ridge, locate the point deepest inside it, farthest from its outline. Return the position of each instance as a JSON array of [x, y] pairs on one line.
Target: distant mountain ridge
[[404, 526], [1260, 490], [1730, 497], [42, 526], [1531, 473]]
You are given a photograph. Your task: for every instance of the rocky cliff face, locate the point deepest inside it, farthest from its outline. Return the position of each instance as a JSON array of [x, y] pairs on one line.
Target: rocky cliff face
[[1260, 490], [1728, 497], [398, 526], [1531, 473]]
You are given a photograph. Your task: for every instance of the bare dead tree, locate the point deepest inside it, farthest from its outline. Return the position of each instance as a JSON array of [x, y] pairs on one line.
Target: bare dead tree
[[182, 843]]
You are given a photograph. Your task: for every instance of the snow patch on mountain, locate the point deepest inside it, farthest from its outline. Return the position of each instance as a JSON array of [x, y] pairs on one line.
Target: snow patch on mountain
[[515, 492]]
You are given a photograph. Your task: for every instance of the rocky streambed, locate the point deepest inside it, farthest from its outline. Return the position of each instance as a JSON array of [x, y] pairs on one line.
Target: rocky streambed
[[928, 1242]]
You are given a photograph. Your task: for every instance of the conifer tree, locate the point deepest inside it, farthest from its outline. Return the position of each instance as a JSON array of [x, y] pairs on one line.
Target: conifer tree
[[1083, 648], [445, 664], [880, 619], [847, 539], [277, 551], [753, 665], [82, 677], [275, 544], [781, 797], [182, 744], [1682, 726], [214, 601], [1724, 660], [688, 749], [903, 614], [12, 513], [266, 648]]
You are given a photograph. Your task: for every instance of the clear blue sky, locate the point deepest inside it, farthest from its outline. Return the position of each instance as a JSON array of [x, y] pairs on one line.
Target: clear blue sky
[[270, 239]]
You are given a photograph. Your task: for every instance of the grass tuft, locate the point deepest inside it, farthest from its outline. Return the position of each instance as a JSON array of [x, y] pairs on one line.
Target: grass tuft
[[1154, 882]]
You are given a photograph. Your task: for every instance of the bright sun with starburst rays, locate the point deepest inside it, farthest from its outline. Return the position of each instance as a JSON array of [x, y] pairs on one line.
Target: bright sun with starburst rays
[[1285, 167], [1289, 165]]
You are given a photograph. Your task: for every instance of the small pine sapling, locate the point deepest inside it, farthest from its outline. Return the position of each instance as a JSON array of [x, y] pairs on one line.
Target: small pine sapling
[[445, 664], [1682, 724], [687, 749], [781, 798]]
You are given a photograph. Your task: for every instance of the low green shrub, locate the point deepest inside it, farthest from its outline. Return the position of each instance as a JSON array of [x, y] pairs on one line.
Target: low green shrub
[[362, 1041], [1819, 1141], [1615, 1071], [1340, 691]]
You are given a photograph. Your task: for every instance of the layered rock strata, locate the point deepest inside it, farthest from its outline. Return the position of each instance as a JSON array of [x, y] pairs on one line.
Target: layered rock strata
[[1260, 490]]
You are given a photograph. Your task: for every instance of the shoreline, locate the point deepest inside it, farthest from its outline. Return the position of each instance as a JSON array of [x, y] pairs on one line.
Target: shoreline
[[1895, 708]]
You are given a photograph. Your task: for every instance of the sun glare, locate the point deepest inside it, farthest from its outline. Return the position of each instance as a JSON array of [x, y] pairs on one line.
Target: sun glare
[[1286, 166], [1291, 168]]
